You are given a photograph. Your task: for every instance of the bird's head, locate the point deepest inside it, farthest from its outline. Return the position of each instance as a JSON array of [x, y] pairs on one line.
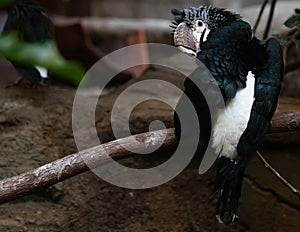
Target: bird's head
[[192, 26]]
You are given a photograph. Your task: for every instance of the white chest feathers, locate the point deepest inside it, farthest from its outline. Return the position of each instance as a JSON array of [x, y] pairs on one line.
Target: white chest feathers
[[232, 121], [43, 72]]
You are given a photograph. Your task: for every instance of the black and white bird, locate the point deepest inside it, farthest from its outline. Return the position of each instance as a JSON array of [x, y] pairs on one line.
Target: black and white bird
[[249, 74], [28, 20]]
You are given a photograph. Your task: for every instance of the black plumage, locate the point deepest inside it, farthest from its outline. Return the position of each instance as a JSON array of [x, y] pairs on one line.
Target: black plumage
[[221, 54], [230, 52], [28, 20], [267, 90]]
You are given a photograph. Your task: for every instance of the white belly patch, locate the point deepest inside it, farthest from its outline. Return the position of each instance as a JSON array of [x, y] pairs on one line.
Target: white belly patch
[[232, 121], [43, 72]]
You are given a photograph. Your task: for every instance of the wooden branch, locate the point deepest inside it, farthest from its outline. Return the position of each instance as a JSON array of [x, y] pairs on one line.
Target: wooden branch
[[270, 19], [288, 46], [75, 164], [292, 66], [263, 6], [285, 122], [277, 174]]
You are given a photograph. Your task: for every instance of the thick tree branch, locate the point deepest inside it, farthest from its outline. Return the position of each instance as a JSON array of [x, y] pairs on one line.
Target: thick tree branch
[[285, 122], [75, 164]]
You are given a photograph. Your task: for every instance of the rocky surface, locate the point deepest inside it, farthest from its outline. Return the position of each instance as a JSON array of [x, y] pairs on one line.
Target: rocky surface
[[35, 128]]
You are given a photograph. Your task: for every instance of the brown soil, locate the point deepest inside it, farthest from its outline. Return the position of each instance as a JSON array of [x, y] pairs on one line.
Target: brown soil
[[35, 128]]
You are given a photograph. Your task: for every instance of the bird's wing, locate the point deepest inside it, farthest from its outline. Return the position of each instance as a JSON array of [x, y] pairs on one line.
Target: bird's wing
[[220, 55], [267, 90], [30, 73], [39, 28], [29, 21]]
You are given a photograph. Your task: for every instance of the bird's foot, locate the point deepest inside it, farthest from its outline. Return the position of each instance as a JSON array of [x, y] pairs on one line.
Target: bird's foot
[[228, 190], [20, 81], [45, 82], [225, 214], [14, 83], [227, 218]]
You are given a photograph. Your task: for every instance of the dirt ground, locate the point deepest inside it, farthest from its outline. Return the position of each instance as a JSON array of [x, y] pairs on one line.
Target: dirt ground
[[35, 128]]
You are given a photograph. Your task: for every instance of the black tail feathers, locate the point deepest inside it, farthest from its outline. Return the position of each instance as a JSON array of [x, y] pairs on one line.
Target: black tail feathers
[[228, 187]]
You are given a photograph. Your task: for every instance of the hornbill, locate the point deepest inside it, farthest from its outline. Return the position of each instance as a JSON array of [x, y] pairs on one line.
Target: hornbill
[[28, 20], [248, 73]]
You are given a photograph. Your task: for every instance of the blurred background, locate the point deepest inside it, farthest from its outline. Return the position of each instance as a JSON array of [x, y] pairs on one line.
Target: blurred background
[[134, 9], [87, 30]]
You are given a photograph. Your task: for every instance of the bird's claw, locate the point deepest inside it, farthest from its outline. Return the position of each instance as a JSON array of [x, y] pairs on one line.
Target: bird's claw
[[227, 210], [44, 82], [227, 218]]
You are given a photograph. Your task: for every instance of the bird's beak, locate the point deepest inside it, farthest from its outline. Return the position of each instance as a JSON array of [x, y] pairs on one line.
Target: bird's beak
[[185, 40]]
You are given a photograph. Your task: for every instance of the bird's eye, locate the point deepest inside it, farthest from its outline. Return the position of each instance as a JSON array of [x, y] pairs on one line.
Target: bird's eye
[[199, 24]]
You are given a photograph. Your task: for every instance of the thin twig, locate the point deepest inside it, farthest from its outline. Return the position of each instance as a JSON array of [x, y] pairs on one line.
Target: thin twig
[[292, 66], [263, 6], [289, 44], [270, 19], [283, 180]]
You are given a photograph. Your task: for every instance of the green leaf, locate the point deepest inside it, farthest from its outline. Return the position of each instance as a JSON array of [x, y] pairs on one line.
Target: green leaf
[[276, 36], [297, 42], [283, 41], [293, 21], [44, 55], [263, 41]]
